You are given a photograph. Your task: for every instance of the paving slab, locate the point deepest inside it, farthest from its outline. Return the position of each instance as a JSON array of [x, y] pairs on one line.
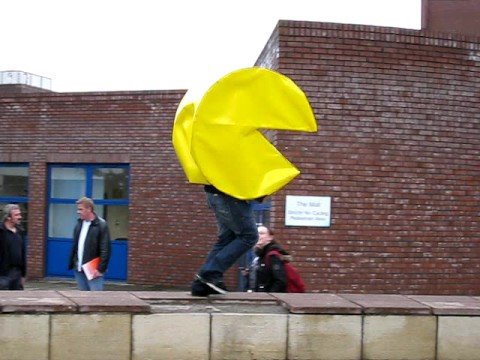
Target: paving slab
[[167, 296], [247, 303], [317, 304], [244, 297], [391, 304], [450, 305], [70, 284], [106, 301], [173, 301], [46, 301], [186, 296], [184, 302]]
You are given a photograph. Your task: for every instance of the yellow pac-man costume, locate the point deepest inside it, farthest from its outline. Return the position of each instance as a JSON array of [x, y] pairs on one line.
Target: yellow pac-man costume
[[217, 137]]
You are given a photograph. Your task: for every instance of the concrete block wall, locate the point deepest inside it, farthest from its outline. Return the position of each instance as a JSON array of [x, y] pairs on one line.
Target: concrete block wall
[[171, 336], [53, 325]]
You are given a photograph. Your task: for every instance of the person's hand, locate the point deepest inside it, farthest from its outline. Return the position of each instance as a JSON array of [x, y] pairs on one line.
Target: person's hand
[[23, 281], [97, 274]]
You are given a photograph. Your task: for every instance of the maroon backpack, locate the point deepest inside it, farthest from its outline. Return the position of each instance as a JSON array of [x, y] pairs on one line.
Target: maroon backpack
[[295, 283]]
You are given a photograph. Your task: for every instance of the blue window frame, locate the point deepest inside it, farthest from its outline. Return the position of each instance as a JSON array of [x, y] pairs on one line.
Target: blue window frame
[[14, 187], [262, 212], [108, 186]]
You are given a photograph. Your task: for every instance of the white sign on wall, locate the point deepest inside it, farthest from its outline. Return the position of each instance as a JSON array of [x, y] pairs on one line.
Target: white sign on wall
[[307, 211]]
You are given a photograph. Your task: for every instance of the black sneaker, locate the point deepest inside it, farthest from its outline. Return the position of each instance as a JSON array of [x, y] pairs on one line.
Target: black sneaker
[[215, 287], [200, 289]]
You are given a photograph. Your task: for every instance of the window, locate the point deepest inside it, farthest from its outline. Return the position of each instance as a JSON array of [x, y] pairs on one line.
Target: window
[[14, 188], [262, 212], [107, 185]]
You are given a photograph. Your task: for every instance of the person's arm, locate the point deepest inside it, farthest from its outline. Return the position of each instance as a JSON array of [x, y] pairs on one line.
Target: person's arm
[[73, 249], [105, 247], [279, 276], [3, 268], [24, 259]]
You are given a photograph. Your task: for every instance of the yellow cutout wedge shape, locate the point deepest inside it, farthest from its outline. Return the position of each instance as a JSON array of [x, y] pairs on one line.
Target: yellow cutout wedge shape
[[217, 138]]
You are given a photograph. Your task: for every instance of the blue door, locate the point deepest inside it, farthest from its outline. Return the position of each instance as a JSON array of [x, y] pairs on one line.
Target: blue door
[[107, 185]]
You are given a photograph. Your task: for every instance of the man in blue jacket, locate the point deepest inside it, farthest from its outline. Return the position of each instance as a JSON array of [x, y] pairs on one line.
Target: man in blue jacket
[[91, 241]]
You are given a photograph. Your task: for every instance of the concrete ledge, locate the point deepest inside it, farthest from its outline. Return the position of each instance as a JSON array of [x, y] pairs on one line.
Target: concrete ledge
[[174, 325], [35, 302], [106, 301], [450, 305], [317, 304], [383, 304]]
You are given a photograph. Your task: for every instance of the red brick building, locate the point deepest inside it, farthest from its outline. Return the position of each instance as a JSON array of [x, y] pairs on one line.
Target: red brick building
[[397, 151], [452, 16]]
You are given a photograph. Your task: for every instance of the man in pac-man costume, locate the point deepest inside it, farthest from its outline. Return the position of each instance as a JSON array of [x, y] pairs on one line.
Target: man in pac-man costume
[[237, 233], [218, 144]]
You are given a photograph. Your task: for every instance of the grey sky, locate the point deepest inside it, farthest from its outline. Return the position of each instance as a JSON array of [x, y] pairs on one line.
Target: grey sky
[[104, 45]]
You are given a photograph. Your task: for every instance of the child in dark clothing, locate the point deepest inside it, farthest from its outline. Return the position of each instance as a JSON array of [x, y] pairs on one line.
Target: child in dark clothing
[[270, 270]]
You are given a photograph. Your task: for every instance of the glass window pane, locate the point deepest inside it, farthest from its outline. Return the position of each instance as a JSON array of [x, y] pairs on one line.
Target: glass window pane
[[262, 217], [110, 183], [117, 219], [14, 181], [68, 183], [61, 220]]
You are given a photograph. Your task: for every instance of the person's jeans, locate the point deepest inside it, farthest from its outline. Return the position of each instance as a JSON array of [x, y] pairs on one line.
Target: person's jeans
[[237, 233], [12, 281], [88, 285], [15, 276]]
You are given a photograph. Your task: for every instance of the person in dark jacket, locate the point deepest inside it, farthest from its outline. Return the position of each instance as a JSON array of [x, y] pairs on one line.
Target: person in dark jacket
[[12, 249], [270, 271], [91, 241]]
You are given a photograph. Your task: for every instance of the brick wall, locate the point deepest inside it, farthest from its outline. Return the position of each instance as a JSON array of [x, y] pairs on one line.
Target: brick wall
[[459, 16], [398, 151], [168, 218]]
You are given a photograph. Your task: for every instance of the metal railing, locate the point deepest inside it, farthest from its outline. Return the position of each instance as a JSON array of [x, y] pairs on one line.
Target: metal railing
[[22, 77]]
